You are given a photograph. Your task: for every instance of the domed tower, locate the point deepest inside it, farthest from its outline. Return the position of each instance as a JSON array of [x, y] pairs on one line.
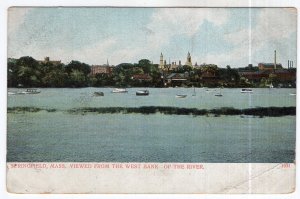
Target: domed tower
[[189, 60]]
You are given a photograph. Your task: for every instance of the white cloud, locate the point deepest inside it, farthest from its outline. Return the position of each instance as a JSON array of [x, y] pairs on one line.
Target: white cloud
[[166, 23], [272, 26]]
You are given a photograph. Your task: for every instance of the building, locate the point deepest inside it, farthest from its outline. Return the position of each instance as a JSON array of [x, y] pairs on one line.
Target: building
[[177, 79], [209, 76], [269, 66], [47, 60], [284, 75], [104, 69], [100, 69], [281, 75], [189, 60], [173, 65], [255, 76]]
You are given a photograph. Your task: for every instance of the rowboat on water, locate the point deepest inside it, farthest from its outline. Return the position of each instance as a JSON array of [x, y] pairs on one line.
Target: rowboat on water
[[180, 96], [30, 91], [142, 92], [119, 90], [246, 90], [96, 94]]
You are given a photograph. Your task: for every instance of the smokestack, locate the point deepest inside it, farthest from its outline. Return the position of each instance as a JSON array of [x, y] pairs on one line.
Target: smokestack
[[288, 64], [275, 59]]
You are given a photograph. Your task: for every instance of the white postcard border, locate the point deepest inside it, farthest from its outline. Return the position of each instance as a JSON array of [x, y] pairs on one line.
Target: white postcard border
[[6, 3]]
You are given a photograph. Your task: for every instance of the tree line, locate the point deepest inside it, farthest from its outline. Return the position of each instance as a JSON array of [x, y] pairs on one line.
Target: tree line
[[28, 72]]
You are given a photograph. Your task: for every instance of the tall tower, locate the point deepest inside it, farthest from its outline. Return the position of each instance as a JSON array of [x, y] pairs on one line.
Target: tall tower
[[161, 61], [189, 60], [274, 59]]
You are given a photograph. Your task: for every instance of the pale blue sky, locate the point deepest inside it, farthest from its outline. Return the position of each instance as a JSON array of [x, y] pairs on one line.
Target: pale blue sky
[[223, 36]]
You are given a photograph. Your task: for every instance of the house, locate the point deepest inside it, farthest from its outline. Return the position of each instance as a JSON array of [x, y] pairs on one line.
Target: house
[[177, 79], [209, 76]]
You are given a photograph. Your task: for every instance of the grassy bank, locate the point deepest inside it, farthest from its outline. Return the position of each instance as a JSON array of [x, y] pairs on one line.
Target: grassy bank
[[259, 111]]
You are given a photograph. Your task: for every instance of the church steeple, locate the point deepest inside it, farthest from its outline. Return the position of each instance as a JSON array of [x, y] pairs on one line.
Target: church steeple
[[189, 60]]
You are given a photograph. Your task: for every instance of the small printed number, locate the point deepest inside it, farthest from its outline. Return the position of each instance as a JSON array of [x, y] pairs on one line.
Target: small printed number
[[285, 165]]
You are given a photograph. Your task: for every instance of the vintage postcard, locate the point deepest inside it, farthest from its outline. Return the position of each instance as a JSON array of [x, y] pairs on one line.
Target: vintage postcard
[[151, 100]]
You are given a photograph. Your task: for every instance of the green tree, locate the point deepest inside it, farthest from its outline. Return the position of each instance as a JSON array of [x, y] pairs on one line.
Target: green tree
[[27, 62], [77, 74], [76, 65], [146, 65], [55, 78], [263, 82], [29, 73], [77, 79], [273, 78], [12, 73], [185, 68], [123, 66]]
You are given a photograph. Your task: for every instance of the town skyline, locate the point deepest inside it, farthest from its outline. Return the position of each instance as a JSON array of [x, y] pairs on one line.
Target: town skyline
[[164, 63], [212, 35]]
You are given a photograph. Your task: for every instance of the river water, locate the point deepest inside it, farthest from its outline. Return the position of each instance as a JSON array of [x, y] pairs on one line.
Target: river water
[[64, 137]]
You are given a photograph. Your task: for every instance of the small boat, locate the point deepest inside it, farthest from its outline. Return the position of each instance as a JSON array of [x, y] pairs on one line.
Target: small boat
[[16, 93], [96, 94], [219, 94], [181, 96], [210, 90], [292, 94], [271, 86], [246, 90], [142, 92], [11, 93], [30, 91], [119, 90]]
